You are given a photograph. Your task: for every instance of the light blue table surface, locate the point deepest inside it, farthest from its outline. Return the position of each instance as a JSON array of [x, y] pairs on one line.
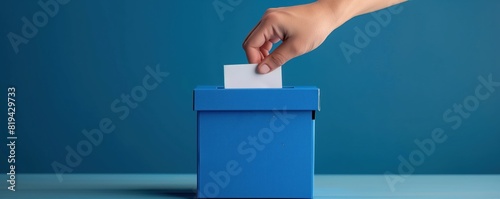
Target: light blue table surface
[[184, 186]]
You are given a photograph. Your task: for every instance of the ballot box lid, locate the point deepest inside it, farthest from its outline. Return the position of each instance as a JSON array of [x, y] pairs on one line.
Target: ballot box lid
[[217, 98]]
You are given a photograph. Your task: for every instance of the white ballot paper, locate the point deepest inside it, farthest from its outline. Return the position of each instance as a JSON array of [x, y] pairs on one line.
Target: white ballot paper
[[246, 76]]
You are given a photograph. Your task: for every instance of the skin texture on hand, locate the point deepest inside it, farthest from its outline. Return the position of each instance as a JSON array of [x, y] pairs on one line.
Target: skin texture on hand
[[302, 29]]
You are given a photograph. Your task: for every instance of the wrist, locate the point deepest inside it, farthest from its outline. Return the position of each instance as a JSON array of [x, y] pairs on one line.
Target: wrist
[[340, 10]]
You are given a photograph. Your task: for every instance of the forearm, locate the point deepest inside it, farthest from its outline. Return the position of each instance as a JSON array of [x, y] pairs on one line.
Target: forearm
[[343, 10]]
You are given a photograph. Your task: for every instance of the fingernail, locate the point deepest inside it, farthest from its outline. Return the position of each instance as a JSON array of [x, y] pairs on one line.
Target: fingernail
[[264, 69]]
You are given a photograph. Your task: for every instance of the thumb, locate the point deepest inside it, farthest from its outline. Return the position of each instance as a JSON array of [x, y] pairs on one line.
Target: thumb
[[286, 51]]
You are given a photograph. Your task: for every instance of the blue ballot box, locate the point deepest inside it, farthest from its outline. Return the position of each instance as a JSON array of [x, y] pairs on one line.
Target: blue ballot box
[[255, 143]]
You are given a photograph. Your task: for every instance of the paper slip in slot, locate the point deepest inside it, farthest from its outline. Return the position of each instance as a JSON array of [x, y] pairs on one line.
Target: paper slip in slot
[[245, 76]]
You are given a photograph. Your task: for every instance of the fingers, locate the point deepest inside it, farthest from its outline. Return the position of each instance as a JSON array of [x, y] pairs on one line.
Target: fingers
[[260, 40], [254, 55], [253, 43], [246, 38], [264, 49], [286, 51]]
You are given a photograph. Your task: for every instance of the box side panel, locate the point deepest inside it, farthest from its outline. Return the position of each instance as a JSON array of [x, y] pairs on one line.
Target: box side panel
[[255, 154]]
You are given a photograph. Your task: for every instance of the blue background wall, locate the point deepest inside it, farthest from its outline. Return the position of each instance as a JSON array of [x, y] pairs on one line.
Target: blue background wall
[[394, 91]]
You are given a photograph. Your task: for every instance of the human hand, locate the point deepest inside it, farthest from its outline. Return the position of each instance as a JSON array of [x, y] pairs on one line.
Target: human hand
[[302, 29]]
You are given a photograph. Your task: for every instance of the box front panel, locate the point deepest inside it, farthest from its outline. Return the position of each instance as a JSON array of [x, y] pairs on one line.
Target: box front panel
[[255, 154]]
